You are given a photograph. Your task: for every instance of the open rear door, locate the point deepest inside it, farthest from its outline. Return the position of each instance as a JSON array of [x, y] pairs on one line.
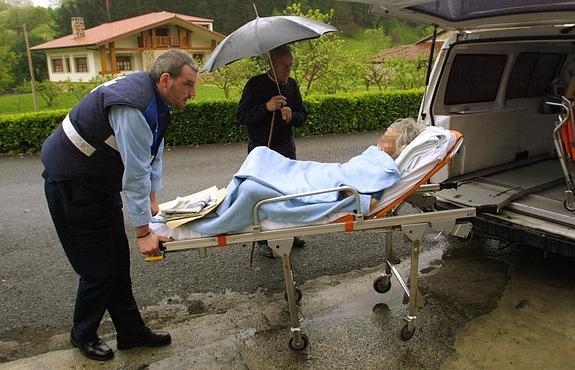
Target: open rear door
[[475, 14]]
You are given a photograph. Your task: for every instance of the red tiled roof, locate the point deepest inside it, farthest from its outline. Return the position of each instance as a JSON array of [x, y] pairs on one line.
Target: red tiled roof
[[408, 52], [411, 52], [108, 32]]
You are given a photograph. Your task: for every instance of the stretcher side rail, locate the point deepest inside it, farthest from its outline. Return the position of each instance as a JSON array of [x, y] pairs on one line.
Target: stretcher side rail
[[305, 194], [390, 222]]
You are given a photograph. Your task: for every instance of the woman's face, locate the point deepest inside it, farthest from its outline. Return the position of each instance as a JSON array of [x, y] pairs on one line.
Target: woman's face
[[387, 141]]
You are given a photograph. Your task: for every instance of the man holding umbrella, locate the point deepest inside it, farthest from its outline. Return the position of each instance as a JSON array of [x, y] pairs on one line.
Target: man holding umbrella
[[270, 106]]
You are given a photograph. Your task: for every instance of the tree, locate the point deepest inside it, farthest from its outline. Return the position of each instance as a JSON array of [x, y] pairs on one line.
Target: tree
[[233, 75], [378, 39], [39, 23], [314, 57], [7, 59]]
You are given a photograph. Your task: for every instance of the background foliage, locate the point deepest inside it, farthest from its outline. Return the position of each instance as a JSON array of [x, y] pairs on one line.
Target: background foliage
[[44, 24], [214, 121]]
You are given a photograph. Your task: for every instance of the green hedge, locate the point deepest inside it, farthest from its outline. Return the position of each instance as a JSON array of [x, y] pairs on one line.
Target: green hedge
[[214, 121]]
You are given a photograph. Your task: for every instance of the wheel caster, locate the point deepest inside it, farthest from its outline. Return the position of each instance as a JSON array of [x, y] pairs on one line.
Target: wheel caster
[[301, 345], [405, 333], [567, 207], [298, 295], [382, 284]]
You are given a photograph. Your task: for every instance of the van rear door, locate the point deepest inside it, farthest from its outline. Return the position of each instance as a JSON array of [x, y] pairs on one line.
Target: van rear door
[[474, 14]]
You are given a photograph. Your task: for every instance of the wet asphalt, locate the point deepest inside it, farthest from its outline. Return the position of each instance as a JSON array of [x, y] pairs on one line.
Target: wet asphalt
[[225, 313]]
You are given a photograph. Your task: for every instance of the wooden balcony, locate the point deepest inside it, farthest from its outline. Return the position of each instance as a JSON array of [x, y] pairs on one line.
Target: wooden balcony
[[162, 42]]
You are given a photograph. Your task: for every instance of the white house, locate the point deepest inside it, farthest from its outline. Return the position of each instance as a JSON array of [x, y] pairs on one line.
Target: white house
[[126, 46]]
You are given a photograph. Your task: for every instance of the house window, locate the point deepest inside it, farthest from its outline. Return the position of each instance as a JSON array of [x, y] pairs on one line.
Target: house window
[[57, 65], [81, 64], [68, 67], [124, 62]]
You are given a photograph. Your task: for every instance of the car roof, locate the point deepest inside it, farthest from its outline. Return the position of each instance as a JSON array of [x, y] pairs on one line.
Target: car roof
[[477, 14]]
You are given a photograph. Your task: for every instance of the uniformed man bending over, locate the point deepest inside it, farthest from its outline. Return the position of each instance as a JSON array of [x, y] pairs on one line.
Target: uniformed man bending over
[[113, 141]]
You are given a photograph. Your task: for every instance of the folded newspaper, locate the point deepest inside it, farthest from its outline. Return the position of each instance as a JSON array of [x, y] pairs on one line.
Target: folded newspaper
[[191, 207]]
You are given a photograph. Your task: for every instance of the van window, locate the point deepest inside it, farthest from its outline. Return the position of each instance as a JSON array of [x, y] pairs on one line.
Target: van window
[[474, 78], [532, 74]]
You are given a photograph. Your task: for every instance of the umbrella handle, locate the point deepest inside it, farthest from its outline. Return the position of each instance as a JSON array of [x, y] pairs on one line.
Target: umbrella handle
[[279, 92], [274, 73]]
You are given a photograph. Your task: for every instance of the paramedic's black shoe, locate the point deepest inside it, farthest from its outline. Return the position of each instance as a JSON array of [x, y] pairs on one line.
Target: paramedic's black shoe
[[145, 338], [93, 349], [265, 249], [298, 242]]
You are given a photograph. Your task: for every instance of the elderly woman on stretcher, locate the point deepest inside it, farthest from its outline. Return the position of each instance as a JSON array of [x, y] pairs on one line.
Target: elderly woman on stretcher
[[267, 174]]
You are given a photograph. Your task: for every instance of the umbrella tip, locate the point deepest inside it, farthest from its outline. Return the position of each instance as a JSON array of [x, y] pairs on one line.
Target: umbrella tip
[[256, 10]]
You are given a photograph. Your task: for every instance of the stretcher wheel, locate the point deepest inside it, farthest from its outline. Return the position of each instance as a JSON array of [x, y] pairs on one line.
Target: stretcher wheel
[[382, 284], [468, 238], [300, 346], [405, 333], [298, 295], [566, 206]]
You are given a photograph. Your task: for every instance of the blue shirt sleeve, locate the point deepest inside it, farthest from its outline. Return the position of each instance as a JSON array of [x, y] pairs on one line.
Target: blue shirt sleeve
[[134, 139]]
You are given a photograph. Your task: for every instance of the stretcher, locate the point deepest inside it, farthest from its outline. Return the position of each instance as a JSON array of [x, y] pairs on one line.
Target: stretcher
[[382, 217]]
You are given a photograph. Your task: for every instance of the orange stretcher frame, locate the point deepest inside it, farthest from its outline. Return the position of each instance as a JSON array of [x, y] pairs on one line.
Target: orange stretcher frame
[[413, 226]]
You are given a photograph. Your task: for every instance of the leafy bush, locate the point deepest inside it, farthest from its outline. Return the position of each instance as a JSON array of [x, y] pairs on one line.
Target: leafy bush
[[50, 92], [214, 121], [25, 132]]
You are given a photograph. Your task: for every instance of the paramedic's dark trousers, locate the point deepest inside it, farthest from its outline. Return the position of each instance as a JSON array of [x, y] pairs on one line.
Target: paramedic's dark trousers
[[90, 226]]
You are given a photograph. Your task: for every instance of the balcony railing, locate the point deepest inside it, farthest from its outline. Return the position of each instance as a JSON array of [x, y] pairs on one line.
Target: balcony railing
[[164, 42]]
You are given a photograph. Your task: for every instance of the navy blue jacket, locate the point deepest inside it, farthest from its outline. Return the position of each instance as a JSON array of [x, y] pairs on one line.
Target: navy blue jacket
[[103, 169]]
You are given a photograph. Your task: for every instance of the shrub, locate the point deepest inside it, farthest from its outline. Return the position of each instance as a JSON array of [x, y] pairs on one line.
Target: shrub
[[214, 121]]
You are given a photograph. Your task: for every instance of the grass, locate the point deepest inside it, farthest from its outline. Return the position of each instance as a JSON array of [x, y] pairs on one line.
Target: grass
[[24, 102]]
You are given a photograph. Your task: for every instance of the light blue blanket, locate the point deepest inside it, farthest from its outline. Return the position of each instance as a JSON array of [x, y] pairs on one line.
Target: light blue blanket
[[266, 173]]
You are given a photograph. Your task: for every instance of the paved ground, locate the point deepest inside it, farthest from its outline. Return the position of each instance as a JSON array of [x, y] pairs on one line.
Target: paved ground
[[488, 305]]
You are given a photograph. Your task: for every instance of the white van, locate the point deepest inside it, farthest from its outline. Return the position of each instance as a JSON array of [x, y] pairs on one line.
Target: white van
[[490, 82]]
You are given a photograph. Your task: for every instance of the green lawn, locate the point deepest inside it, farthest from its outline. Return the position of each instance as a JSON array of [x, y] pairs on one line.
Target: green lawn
[[24, 102]]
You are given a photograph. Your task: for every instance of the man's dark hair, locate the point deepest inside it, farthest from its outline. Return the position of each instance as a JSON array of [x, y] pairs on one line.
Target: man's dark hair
[[171, 62]]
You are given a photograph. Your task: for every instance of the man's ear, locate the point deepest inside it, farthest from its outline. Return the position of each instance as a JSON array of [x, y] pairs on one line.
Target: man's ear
[[164, 79]]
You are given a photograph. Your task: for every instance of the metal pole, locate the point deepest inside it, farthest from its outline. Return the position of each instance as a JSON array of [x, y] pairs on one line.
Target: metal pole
[[31, 67]]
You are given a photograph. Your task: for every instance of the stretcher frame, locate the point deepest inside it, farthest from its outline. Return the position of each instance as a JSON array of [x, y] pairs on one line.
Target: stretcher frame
[[412, 226], [563, 139]]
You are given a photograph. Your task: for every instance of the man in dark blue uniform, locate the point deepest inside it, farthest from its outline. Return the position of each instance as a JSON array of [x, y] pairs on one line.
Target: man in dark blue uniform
[[113, 141], [261, 102]]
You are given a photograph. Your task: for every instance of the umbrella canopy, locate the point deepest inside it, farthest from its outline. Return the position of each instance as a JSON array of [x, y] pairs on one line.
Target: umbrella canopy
[[262, 35]]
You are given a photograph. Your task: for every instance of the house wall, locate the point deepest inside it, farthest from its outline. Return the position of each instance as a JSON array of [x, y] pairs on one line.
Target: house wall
[[70, 69]]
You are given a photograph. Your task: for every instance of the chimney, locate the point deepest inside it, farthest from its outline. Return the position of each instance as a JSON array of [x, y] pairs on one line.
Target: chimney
[[78, 27]]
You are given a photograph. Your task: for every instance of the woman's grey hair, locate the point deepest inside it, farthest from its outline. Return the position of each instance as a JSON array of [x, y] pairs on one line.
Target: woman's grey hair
[[171, 62], [407, 129]]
